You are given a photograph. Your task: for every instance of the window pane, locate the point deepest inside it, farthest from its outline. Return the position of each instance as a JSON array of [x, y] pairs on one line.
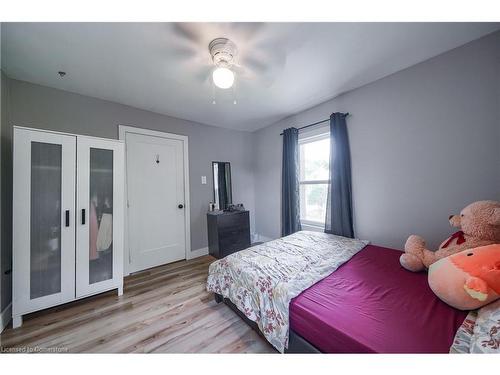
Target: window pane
[[314, 160], [313, 202]]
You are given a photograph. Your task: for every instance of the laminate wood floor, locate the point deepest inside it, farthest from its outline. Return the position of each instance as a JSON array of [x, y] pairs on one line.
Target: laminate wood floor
[[163, 310]]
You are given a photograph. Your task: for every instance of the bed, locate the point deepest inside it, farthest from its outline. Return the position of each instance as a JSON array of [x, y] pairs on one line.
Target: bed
[[314, 292]]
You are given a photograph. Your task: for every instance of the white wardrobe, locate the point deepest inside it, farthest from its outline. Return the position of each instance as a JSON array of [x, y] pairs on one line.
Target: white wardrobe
[[68, 218]]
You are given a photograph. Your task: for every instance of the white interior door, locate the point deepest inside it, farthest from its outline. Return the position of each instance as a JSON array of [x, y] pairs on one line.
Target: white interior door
[[100, 215], [44, 219], [156, 200]]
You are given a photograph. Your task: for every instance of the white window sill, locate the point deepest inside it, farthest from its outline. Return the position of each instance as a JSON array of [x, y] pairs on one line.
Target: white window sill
[[312, 227]]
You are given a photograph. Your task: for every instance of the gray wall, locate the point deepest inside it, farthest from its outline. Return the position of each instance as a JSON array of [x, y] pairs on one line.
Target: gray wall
[[42, 107], [424, 142]]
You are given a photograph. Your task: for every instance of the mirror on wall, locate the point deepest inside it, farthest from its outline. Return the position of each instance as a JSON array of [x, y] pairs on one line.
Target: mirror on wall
[[223, 195]]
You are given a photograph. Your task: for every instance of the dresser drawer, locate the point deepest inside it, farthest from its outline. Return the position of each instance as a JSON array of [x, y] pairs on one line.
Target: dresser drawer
[[234, 242], [228, 232], [234, 233], [232, 230], [231, 222]]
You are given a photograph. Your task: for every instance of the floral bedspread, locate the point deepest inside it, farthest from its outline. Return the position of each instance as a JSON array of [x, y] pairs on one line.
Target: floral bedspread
[[262, 279], [480, 331]]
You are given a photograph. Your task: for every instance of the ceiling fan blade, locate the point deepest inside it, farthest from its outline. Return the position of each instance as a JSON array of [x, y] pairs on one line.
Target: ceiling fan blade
[[184, 43], [187, 32], [266, 66], [238, 69], [183, 52], [203, 74], [246, 31], [256, 65]]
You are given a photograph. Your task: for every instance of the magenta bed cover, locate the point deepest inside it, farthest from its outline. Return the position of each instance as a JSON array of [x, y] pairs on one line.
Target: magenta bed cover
[[372, 305]]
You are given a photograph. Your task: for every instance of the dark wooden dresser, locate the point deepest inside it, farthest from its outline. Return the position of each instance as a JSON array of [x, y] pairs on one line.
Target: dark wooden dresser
[[228, 232]]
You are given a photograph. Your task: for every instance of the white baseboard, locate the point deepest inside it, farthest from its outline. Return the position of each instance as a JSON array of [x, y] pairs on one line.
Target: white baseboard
[[5, 317], [198, 253]]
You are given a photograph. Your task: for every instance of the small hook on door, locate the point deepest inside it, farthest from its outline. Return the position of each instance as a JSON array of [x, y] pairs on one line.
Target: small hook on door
[[157, 158]]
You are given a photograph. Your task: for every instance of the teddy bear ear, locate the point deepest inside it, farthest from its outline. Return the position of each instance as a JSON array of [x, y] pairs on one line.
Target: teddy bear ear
[[495, 217]]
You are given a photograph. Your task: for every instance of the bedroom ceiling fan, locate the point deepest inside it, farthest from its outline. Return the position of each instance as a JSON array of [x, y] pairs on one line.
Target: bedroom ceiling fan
[[223, 53], [249, 54]]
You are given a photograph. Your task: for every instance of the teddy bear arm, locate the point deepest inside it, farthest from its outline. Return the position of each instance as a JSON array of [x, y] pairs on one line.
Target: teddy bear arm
[[429, 257], [450, 250]]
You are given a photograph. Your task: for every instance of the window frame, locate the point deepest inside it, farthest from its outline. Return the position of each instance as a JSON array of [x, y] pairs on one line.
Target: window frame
[[317, 135]]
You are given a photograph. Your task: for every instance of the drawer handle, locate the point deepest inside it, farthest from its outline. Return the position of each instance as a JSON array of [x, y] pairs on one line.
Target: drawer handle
[[83, 216], [67, 218]]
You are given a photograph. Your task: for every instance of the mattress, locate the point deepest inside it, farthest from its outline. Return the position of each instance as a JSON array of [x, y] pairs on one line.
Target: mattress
[[372, 305]]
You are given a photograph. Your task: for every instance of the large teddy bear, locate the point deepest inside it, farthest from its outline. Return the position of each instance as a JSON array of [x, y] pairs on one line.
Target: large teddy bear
[[480, 226]]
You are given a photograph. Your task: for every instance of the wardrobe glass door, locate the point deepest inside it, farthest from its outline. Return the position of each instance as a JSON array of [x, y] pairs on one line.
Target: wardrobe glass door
[[45, 219], [101, 215], [99, 235]]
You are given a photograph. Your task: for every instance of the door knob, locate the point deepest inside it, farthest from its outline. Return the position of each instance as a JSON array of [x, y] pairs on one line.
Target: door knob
[[181, 206]]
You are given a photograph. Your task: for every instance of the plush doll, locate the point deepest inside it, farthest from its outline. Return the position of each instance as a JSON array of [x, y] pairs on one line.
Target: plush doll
[[467, 280], [480, 226]]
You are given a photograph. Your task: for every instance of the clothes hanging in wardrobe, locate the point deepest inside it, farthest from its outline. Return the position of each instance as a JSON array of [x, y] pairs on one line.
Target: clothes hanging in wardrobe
[[93, 232], [105, 234]]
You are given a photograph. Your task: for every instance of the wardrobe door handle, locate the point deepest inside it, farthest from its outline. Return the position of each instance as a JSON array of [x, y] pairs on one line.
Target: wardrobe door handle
[[67, 218], [83, 216]]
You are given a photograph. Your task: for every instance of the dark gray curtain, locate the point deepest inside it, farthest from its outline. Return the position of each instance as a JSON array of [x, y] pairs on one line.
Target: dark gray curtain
[[339, 201], [290, 210]]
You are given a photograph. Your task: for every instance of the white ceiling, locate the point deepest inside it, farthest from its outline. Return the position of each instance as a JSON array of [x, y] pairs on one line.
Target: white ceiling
[[163, 67]]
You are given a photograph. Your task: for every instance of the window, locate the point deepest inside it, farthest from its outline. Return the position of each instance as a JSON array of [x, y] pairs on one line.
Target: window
[[314, 161]]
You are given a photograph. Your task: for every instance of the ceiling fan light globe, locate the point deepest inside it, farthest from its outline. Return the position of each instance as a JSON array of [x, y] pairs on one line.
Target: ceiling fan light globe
[[223, 77]]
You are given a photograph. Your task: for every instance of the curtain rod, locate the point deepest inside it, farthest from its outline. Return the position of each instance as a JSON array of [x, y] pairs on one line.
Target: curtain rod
[[316, 123]]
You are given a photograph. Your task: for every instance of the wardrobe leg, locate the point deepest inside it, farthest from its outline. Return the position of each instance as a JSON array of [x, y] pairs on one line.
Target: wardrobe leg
[[120, 290], [17, 321]]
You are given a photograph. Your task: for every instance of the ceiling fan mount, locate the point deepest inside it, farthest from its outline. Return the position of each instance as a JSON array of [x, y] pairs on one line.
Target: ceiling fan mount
[[223, 52]]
